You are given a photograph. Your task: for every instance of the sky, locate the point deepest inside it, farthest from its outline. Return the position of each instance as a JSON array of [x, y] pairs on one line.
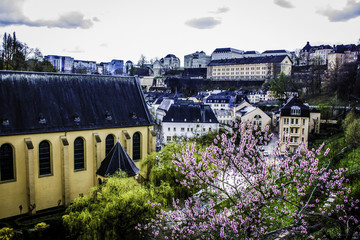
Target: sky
[[116, 29]]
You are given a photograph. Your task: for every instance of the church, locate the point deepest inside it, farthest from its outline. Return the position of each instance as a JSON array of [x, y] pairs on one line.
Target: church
[[56, 129]]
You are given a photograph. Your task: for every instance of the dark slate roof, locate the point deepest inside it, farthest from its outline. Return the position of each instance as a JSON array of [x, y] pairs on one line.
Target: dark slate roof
[[294, 101], [49, 102], [117, 159], [227, 50], [307, 47], [275, 51], [181, 110], [251, 52], [141, 72], [250, 60], [170, 56]]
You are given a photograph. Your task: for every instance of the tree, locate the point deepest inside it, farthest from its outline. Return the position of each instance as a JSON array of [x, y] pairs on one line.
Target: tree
[[142, 61], [112, 210], [13, 53], [281, 86], [16, 55], [249, 196]]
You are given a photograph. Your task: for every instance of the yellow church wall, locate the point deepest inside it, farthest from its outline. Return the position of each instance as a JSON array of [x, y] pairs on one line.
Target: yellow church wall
[[63, 184]]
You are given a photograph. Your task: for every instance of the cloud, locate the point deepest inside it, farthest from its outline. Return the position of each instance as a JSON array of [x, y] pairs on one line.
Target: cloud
[[11, 14], [284, 3], [203, 23], [221, 10], [351, 10]]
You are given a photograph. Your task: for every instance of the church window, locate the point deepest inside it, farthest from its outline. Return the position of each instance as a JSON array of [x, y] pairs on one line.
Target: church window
[[109, 143], [6, 163], [136, 146], [44, 158], [79, 159]]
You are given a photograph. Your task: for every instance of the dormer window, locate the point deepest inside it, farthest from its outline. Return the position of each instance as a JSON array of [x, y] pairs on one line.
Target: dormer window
[[76, 118], [42, 119], [108, 116], [295, 110], [5, 122]]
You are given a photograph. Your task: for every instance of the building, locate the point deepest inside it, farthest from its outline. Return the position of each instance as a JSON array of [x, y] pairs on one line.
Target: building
[[186, 119], [252, 68], [85, 67], [296, 122], [116, 67], [342, 54], [55, 130], [314, 54], [226, 53], [62, 64], [222, 100], [170, 62], [245, 112], [196, 60]]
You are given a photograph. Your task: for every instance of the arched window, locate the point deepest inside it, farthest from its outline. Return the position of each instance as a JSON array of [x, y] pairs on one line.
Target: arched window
[[136, 146], [6, 162], [44, 158], [79, 160], [109, 143]]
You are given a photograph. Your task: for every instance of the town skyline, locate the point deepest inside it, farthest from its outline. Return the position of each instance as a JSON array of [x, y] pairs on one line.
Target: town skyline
[[89, 30]]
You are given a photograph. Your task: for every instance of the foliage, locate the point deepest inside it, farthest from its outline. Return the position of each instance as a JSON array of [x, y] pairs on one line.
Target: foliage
[[251, 196], [281, 86], [15, 56], [344, 81], [351, 125], [161, 170], [6, 233], [40, 226], [113, 209]]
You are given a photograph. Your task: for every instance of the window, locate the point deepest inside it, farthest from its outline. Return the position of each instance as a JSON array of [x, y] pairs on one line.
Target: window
[[168, 129], [174, 129], [292, 121], [79, 160], [136, 146], [303, 131], [296, 121], [304, 121], [6, 162], [168, 138], [295, 110], [109, 143], [44, 158], [183, 129]]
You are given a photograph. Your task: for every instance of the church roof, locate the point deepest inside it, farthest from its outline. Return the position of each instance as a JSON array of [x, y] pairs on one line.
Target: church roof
[[47, 102], [117, 159]]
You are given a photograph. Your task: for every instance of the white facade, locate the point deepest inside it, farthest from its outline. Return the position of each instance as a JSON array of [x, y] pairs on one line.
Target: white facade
[[174, 131]]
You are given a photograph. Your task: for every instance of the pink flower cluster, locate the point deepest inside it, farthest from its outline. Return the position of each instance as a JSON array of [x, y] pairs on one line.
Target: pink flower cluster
[[249, 196]]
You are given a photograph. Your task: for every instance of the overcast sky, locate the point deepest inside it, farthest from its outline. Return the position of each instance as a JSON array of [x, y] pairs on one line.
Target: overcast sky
[[118, 29]]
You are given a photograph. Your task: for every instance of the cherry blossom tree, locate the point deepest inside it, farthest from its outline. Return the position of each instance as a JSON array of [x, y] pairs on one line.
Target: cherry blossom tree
[[246, 195]]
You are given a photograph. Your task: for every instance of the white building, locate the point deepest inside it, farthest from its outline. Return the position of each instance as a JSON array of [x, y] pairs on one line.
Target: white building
[[188, 120], [226, 53], [196, 60]]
